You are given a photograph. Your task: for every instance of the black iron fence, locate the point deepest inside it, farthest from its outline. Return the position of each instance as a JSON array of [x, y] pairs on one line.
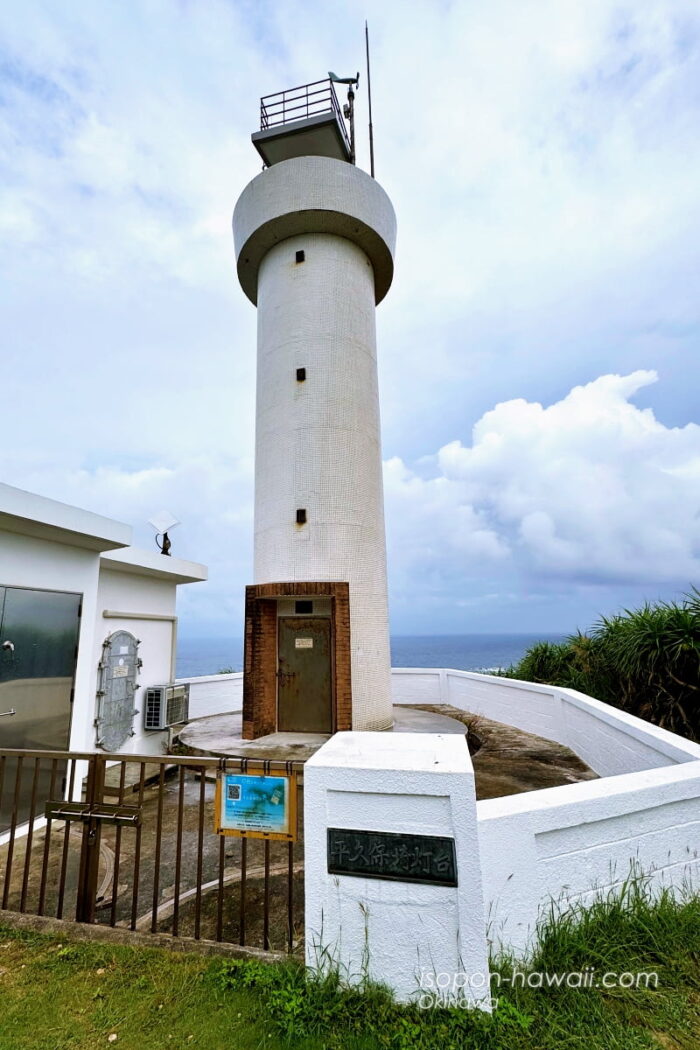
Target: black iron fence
[[130, 841]]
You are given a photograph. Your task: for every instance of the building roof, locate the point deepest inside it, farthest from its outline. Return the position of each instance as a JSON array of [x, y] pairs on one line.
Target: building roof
[[31, 515], [139, 562]]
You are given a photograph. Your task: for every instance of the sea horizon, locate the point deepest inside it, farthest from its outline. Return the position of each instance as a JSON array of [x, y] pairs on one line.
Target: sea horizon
[[472, 651]]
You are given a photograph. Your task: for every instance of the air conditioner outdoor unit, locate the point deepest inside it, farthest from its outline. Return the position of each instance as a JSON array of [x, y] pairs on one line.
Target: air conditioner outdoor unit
[[166, 705]]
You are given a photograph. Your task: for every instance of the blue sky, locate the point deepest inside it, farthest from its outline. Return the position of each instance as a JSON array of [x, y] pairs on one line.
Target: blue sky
[[539, 358]]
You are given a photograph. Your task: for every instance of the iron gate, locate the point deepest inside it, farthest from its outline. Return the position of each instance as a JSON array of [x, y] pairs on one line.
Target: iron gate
[[129, 841]]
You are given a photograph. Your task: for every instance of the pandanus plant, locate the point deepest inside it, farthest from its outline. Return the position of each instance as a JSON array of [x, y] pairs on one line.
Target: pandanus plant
[[646, 661]]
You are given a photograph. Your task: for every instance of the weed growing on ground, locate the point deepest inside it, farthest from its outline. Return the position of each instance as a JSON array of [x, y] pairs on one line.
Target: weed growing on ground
[[624, 931], [57, 995]]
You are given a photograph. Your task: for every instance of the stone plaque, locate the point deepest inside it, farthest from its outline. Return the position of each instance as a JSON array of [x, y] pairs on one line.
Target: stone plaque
[[387, 855]]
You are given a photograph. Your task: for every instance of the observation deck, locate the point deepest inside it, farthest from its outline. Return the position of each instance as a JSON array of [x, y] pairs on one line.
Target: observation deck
[[305, 121]]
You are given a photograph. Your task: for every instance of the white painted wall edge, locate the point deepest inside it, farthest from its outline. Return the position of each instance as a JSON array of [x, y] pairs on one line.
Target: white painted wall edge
[[674, 747], [214, 694], [202, 679], [562, 847], [558, 807], [140, 562], [648, 746]]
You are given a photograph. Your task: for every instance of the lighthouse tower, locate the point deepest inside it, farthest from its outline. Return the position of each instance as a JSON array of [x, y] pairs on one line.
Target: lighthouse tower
[[314, 238]]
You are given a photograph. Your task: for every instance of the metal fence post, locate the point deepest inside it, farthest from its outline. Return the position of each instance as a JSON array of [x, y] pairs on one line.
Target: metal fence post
[[90, 846]]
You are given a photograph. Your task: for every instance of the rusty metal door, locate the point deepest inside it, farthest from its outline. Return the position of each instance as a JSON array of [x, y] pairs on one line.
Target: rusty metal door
[[304, 695]]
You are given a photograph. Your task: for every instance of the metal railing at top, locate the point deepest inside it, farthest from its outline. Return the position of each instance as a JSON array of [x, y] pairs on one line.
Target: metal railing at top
[[298, 103]]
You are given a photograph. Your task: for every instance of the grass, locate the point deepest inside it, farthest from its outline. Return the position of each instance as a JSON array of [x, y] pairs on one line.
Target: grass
[[56, 995]]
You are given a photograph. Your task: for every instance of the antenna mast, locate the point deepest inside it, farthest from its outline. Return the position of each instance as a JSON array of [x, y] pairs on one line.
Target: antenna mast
[[369, 102]]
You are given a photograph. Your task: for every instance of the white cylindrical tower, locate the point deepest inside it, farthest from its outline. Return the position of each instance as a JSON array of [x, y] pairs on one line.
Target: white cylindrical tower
[[314, 240]]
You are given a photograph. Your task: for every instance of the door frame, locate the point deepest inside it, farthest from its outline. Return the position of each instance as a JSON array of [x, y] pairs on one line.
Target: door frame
[[261, 659]]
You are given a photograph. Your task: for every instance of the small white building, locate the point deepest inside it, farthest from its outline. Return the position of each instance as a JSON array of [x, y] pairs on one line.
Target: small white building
[[87, 625]]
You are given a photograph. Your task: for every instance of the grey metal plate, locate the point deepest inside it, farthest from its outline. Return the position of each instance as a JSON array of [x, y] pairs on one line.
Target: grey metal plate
[[116, 692]]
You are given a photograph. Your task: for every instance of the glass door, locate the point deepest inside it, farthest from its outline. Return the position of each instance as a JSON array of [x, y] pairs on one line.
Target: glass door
[[38, 654]]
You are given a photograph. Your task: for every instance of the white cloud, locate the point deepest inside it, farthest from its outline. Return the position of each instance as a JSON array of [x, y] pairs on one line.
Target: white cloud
[[590, 488], [542, 160]]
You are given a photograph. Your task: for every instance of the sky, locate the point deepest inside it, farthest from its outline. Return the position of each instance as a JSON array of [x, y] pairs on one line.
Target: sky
[[538, 351]]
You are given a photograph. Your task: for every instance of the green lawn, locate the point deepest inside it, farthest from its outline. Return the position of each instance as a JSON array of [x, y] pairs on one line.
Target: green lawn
[[57, 994]]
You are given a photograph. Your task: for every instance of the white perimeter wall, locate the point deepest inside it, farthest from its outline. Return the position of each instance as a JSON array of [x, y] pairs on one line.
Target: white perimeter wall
[[610, 741], [560, 843], [566, 843], [215, 694]]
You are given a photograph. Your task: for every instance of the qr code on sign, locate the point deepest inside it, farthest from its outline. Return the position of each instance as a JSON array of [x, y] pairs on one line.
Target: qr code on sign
[[233, 792]]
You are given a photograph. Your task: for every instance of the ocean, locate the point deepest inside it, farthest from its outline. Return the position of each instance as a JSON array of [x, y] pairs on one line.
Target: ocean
[[465, 652]]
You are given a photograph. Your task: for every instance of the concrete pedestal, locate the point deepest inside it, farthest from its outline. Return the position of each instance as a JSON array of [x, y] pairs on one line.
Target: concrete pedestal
[[416, 938]]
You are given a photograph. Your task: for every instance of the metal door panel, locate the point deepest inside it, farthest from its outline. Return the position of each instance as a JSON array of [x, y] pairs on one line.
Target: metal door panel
[[38, 650], [304, 703], [119, 668]]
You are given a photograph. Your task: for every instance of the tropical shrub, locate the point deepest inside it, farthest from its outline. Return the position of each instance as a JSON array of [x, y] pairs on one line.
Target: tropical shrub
[[645, 661]]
